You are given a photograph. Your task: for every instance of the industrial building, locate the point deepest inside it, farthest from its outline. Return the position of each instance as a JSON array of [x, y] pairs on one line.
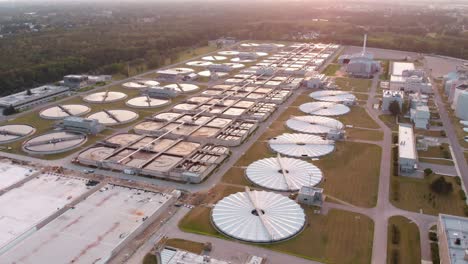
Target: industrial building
[[407, 154], [92, 231], [79, 81], [190, 140], [452, 232], [311, 196], [33, 97], [169, 255], [455, 78], [361, 65], [82, 125], [390, 96], [420, 116], [27, 205], [405, 77], [461, 111]]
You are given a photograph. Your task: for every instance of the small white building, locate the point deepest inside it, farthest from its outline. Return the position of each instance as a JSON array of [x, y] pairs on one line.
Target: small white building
[[315, 81], [311, 196], [82, 125], [452, 232], [407, 154], [220, 68], [416, 99], [392, 96]]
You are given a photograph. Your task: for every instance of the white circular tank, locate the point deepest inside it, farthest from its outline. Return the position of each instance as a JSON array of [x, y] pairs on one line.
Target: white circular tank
[[147, 102], [258, 217], [10, 133], [104, 97], [283, 174], [62, 111], [301, 145], [114, 117]]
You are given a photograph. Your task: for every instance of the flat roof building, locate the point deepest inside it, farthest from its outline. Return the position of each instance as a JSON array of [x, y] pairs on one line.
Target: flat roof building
[[407, 154], [35, 96], [452, 232], [405, 77]]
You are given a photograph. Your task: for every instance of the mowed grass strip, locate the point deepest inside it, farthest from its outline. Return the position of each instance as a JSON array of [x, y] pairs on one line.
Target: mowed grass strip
[[331, 69], [364, 134], [187, 245], [403, 243], [338, 237], [358, 117], [352, 173], [415, 194], [353, 84]]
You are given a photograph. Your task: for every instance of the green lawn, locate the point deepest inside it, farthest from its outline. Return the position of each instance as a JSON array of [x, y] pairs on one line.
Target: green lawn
[[352, 173], [339, 237], [415, 194], [358, 117], [363, 134], [390, 121], [385, 70], [441, 151], [353, 84], [403, 243], [190, 246], [331, 69]]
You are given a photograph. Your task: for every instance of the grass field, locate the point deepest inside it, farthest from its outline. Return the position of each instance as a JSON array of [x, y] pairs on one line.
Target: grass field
[[352, 173], [435, 161], [404, 243], [389, 121], [385, 70], [354, 84], [441, 151], [358, 117], [339, 237], [190, 246], [331, 69], [415, 194], [363, 134]]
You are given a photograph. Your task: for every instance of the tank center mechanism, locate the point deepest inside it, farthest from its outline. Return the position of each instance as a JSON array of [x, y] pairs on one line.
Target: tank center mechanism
[[255, 212]]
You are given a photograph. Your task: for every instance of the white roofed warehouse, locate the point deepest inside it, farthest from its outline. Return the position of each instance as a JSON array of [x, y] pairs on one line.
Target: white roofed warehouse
[[407, 154]]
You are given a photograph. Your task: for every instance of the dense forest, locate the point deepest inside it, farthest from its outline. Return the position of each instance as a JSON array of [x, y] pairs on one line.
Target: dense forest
[[103, 38]]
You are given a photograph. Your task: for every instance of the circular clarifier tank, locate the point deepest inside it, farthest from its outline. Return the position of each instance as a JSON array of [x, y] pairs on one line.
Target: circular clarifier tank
[[324, 108], [301, 145], [199, 63], [214, 58], [258, 216], [183, 87], [209, 73], [147, 102], [314, 124], [283, 174], [104, 97], [333, 96], [140, 84], [114, 117], [234, 65], [54, 142], [62, 111], [9, 133], [228, 53]]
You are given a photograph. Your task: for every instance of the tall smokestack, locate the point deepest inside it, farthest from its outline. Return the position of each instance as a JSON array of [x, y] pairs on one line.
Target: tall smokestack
[[364, 45]]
